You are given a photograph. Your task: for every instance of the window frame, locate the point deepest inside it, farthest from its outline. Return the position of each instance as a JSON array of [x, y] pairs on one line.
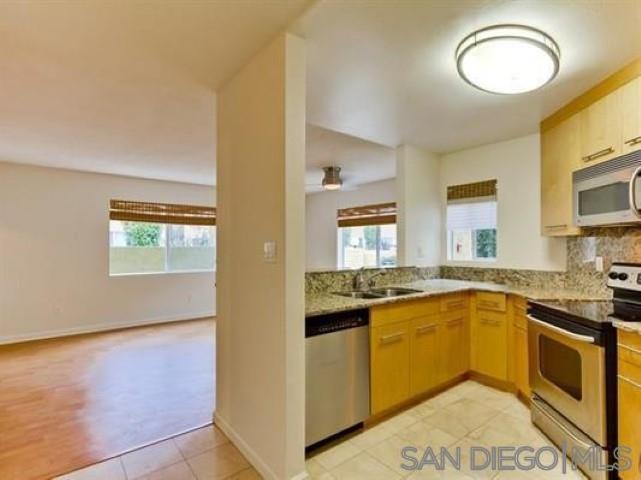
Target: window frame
[[340, 257], [167, 249], [449, 241]]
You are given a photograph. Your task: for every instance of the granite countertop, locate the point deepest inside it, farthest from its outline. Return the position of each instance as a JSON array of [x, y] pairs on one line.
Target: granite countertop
[[323, 303]]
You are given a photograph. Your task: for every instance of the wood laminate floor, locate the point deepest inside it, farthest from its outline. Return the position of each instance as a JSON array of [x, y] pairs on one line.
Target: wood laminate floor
[[71, 402]]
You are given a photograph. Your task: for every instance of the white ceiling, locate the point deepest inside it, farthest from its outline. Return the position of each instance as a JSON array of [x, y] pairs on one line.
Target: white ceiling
[[361, 161], [385, 71], [128, 87], [124, 87]]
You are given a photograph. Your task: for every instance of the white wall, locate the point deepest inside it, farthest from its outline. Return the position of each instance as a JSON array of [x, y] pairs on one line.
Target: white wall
[[515, 164], [260, 335], [419, 207], [322, 239], [54, 256]]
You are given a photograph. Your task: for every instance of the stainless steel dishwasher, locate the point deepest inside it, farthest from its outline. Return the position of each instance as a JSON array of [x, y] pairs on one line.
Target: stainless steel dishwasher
[[337, 373]]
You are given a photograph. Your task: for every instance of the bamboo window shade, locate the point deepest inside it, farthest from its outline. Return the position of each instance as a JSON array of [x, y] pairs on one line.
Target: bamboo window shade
[[380, 214], [129, 211], [486, 188]]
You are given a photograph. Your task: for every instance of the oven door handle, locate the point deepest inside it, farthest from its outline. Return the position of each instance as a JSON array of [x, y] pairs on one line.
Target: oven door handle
[[632, 193], [562, 331]]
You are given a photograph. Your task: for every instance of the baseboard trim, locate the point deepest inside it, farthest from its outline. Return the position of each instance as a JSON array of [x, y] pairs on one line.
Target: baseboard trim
[[261, 467], [105, 327]]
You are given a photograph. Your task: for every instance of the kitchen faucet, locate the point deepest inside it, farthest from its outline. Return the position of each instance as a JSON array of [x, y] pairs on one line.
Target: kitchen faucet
[[359, 282]]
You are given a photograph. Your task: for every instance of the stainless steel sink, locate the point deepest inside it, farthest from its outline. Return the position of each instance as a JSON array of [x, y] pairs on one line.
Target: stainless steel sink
[[359, 294], [379, 293], [393, 291]]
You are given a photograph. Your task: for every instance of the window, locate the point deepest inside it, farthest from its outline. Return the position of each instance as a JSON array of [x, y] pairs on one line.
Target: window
[[367, 236], [471, 222], [160, 247]]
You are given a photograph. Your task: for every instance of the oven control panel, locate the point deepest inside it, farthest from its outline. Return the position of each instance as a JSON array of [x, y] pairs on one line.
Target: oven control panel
[[626, 276]]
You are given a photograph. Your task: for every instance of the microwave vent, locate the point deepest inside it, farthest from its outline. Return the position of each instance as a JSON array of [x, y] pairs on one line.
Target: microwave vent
[[623, 162]]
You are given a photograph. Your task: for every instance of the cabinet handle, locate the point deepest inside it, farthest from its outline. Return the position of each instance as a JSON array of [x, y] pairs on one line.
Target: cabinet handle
[[487, 304], [425, 328], [396, 337], [600, 153], [455, 321], [633, 141], [631, 382], [630, 349], [560, 225], [456, 304], [487, 321]]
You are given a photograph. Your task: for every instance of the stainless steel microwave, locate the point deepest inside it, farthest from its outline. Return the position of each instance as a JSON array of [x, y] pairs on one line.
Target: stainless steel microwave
[[608, 193]]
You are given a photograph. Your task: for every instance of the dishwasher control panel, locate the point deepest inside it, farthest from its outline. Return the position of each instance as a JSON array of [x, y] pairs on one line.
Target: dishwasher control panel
[[335, 322]]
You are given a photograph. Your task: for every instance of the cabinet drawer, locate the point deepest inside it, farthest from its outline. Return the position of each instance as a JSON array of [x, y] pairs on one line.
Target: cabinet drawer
[[403, 311], [491, 301], [453, 302]]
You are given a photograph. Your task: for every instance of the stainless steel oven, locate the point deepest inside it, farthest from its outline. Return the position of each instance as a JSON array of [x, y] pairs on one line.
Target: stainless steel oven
[[567, 371], [608, 193], [571, 403]]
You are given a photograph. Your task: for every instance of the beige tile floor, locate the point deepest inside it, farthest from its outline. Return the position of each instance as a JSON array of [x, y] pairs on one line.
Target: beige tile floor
[[467, 415], [203, 454]]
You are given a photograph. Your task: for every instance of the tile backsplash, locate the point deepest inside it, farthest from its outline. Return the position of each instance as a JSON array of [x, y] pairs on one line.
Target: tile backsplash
[[341, 280]]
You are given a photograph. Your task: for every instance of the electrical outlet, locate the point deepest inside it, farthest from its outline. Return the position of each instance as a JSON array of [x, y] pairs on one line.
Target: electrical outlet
[[598, 264]]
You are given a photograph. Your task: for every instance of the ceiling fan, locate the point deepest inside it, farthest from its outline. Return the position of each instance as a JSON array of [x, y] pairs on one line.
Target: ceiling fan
[[332, 181]]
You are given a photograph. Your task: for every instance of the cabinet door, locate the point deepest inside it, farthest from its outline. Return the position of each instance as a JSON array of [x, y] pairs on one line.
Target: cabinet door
[[630, 424], [560, 155], [390, 375], [601, 129], [455, 347], [631, 107], [424, 358], [521, 377], [490, 344]]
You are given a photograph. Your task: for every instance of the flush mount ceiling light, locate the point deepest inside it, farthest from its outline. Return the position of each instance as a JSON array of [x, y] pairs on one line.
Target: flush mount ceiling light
[[508, 59], [332, 179]]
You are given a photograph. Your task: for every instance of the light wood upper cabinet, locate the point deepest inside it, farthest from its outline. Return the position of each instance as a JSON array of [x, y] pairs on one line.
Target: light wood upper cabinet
[[390, 360], [560, 155], [631, 111], [601, 125], [425, 365]]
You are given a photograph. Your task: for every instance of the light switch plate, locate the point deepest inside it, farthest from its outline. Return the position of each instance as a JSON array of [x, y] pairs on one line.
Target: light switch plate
[[269, 251]]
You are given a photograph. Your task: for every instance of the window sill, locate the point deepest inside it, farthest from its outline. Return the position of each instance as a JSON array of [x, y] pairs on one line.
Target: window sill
[[146, 274], [471, 263]]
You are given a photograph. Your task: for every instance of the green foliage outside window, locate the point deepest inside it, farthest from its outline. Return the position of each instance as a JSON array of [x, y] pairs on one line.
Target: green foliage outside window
[[485, 242], [142, 234]]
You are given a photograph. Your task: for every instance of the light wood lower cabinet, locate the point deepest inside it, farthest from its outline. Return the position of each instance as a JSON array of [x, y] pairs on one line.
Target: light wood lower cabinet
[[629, 385], [489, 339], [390, 360], [424, 354], [421, 345], [521, 372], [454, 345]]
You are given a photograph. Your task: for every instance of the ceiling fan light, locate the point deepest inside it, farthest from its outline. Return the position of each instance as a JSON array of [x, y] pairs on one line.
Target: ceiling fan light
[[508, 59], [332, 179]]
